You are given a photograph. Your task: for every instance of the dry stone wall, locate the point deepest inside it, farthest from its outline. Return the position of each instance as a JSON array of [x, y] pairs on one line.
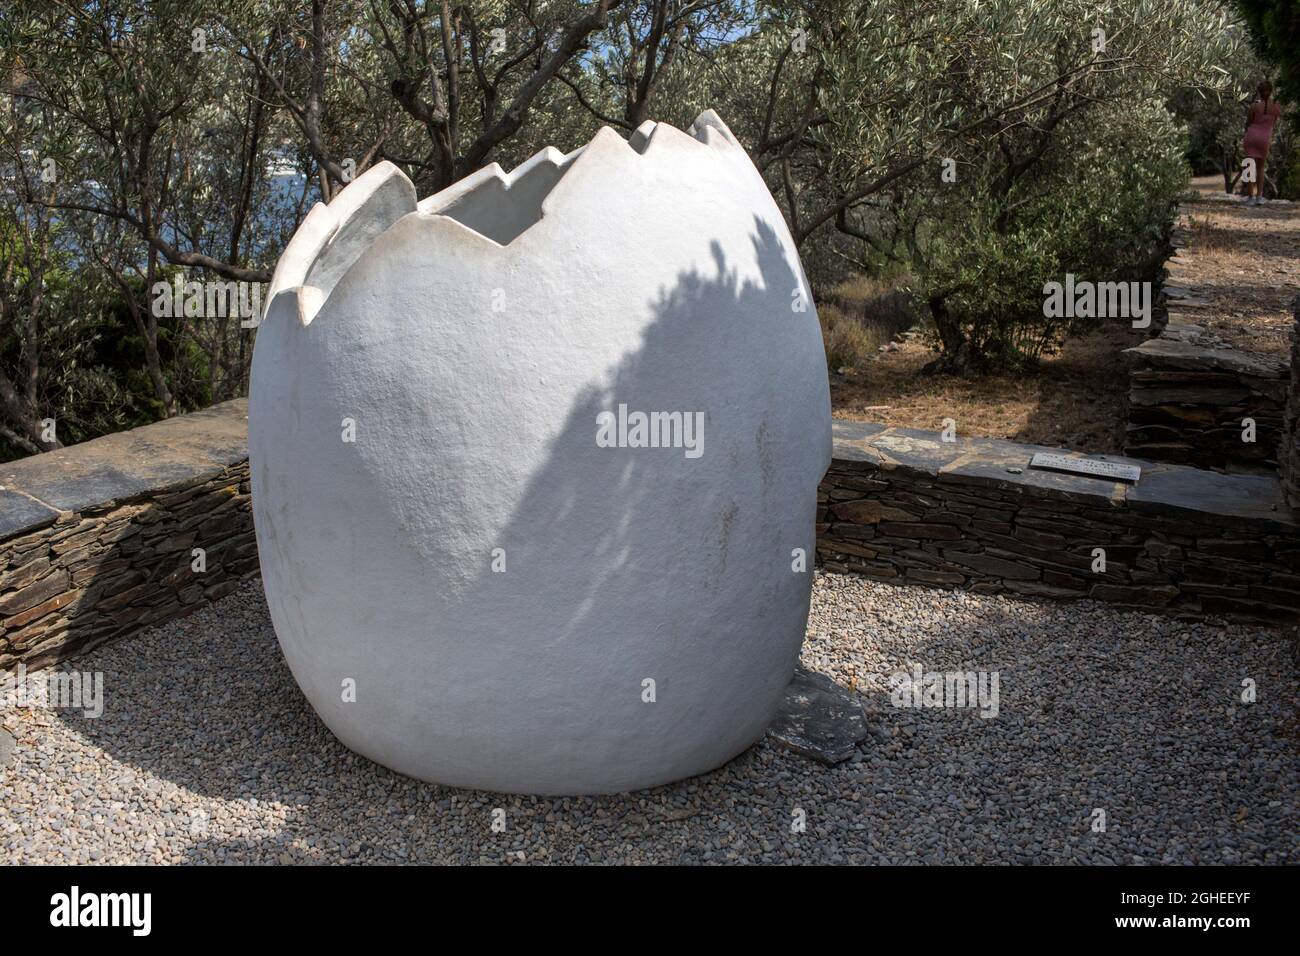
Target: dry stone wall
[[1290, 450], [1190, 396], [1189, 403], [903, 506], [99, 540]]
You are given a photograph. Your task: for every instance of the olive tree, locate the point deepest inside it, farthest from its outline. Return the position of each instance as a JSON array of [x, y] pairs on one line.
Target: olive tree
[[879, 108]]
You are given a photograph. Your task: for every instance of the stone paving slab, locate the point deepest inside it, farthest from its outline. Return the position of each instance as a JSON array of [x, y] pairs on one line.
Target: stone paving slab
[[1005, 465], [907, 448], [994, 462], [1170, 489], [1182, 331], [819, 719], [123, 465], [18, 513], [1174, 353], [851, 439]]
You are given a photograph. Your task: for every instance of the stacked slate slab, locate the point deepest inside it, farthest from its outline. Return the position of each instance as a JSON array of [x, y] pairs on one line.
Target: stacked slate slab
[[1290, 449], [1189, 403], [906, 507], [1188, 399], [98, 540]]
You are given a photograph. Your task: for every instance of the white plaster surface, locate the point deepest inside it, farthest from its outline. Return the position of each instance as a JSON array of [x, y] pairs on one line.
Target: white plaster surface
[[658, 275]]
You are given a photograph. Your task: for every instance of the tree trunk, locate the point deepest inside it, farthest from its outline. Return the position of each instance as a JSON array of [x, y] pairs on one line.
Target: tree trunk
[[957, 358]]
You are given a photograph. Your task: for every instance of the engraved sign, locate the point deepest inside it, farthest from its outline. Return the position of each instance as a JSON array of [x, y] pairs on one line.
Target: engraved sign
[[1086, 466]]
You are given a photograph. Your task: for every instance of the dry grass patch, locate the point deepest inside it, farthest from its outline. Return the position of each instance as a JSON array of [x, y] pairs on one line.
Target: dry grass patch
[[849, 343], [859, 316], [1074, 399]]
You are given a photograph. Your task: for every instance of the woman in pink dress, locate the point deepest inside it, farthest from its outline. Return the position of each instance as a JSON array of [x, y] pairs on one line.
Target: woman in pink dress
[[1260, 118]]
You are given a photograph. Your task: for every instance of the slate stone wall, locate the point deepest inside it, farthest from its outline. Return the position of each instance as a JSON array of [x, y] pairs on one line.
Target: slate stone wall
[[1188, 403], [902, 506], [1290, 450], [97, 540], [1188, 395]]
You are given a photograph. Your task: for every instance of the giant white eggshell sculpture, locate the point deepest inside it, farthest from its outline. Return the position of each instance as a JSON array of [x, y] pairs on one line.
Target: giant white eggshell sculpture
[[481, 569]]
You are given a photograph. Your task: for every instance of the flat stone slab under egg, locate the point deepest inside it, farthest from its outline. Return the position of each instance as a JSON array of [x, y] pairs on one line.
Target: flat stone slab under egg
[[819, 719]]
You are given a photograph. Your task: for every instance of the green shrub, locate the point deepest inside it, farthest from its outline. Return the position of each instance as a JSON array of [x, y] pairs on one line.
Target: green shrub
[[1100, 208]]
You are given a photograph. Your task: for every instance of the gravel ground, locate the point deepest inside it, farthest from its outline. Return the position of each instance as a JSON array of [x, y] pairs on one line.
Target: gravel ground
[[206, 752]]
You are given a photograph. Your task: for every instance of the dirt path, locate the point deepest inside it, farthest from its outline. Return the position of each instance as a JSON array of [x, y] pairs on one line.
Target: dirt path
[[1243, 269]]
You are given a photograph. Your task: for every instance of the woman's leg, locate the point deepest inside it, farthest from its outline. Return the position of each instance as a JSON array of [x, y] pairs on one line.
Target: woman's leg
[[1261, 163]]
